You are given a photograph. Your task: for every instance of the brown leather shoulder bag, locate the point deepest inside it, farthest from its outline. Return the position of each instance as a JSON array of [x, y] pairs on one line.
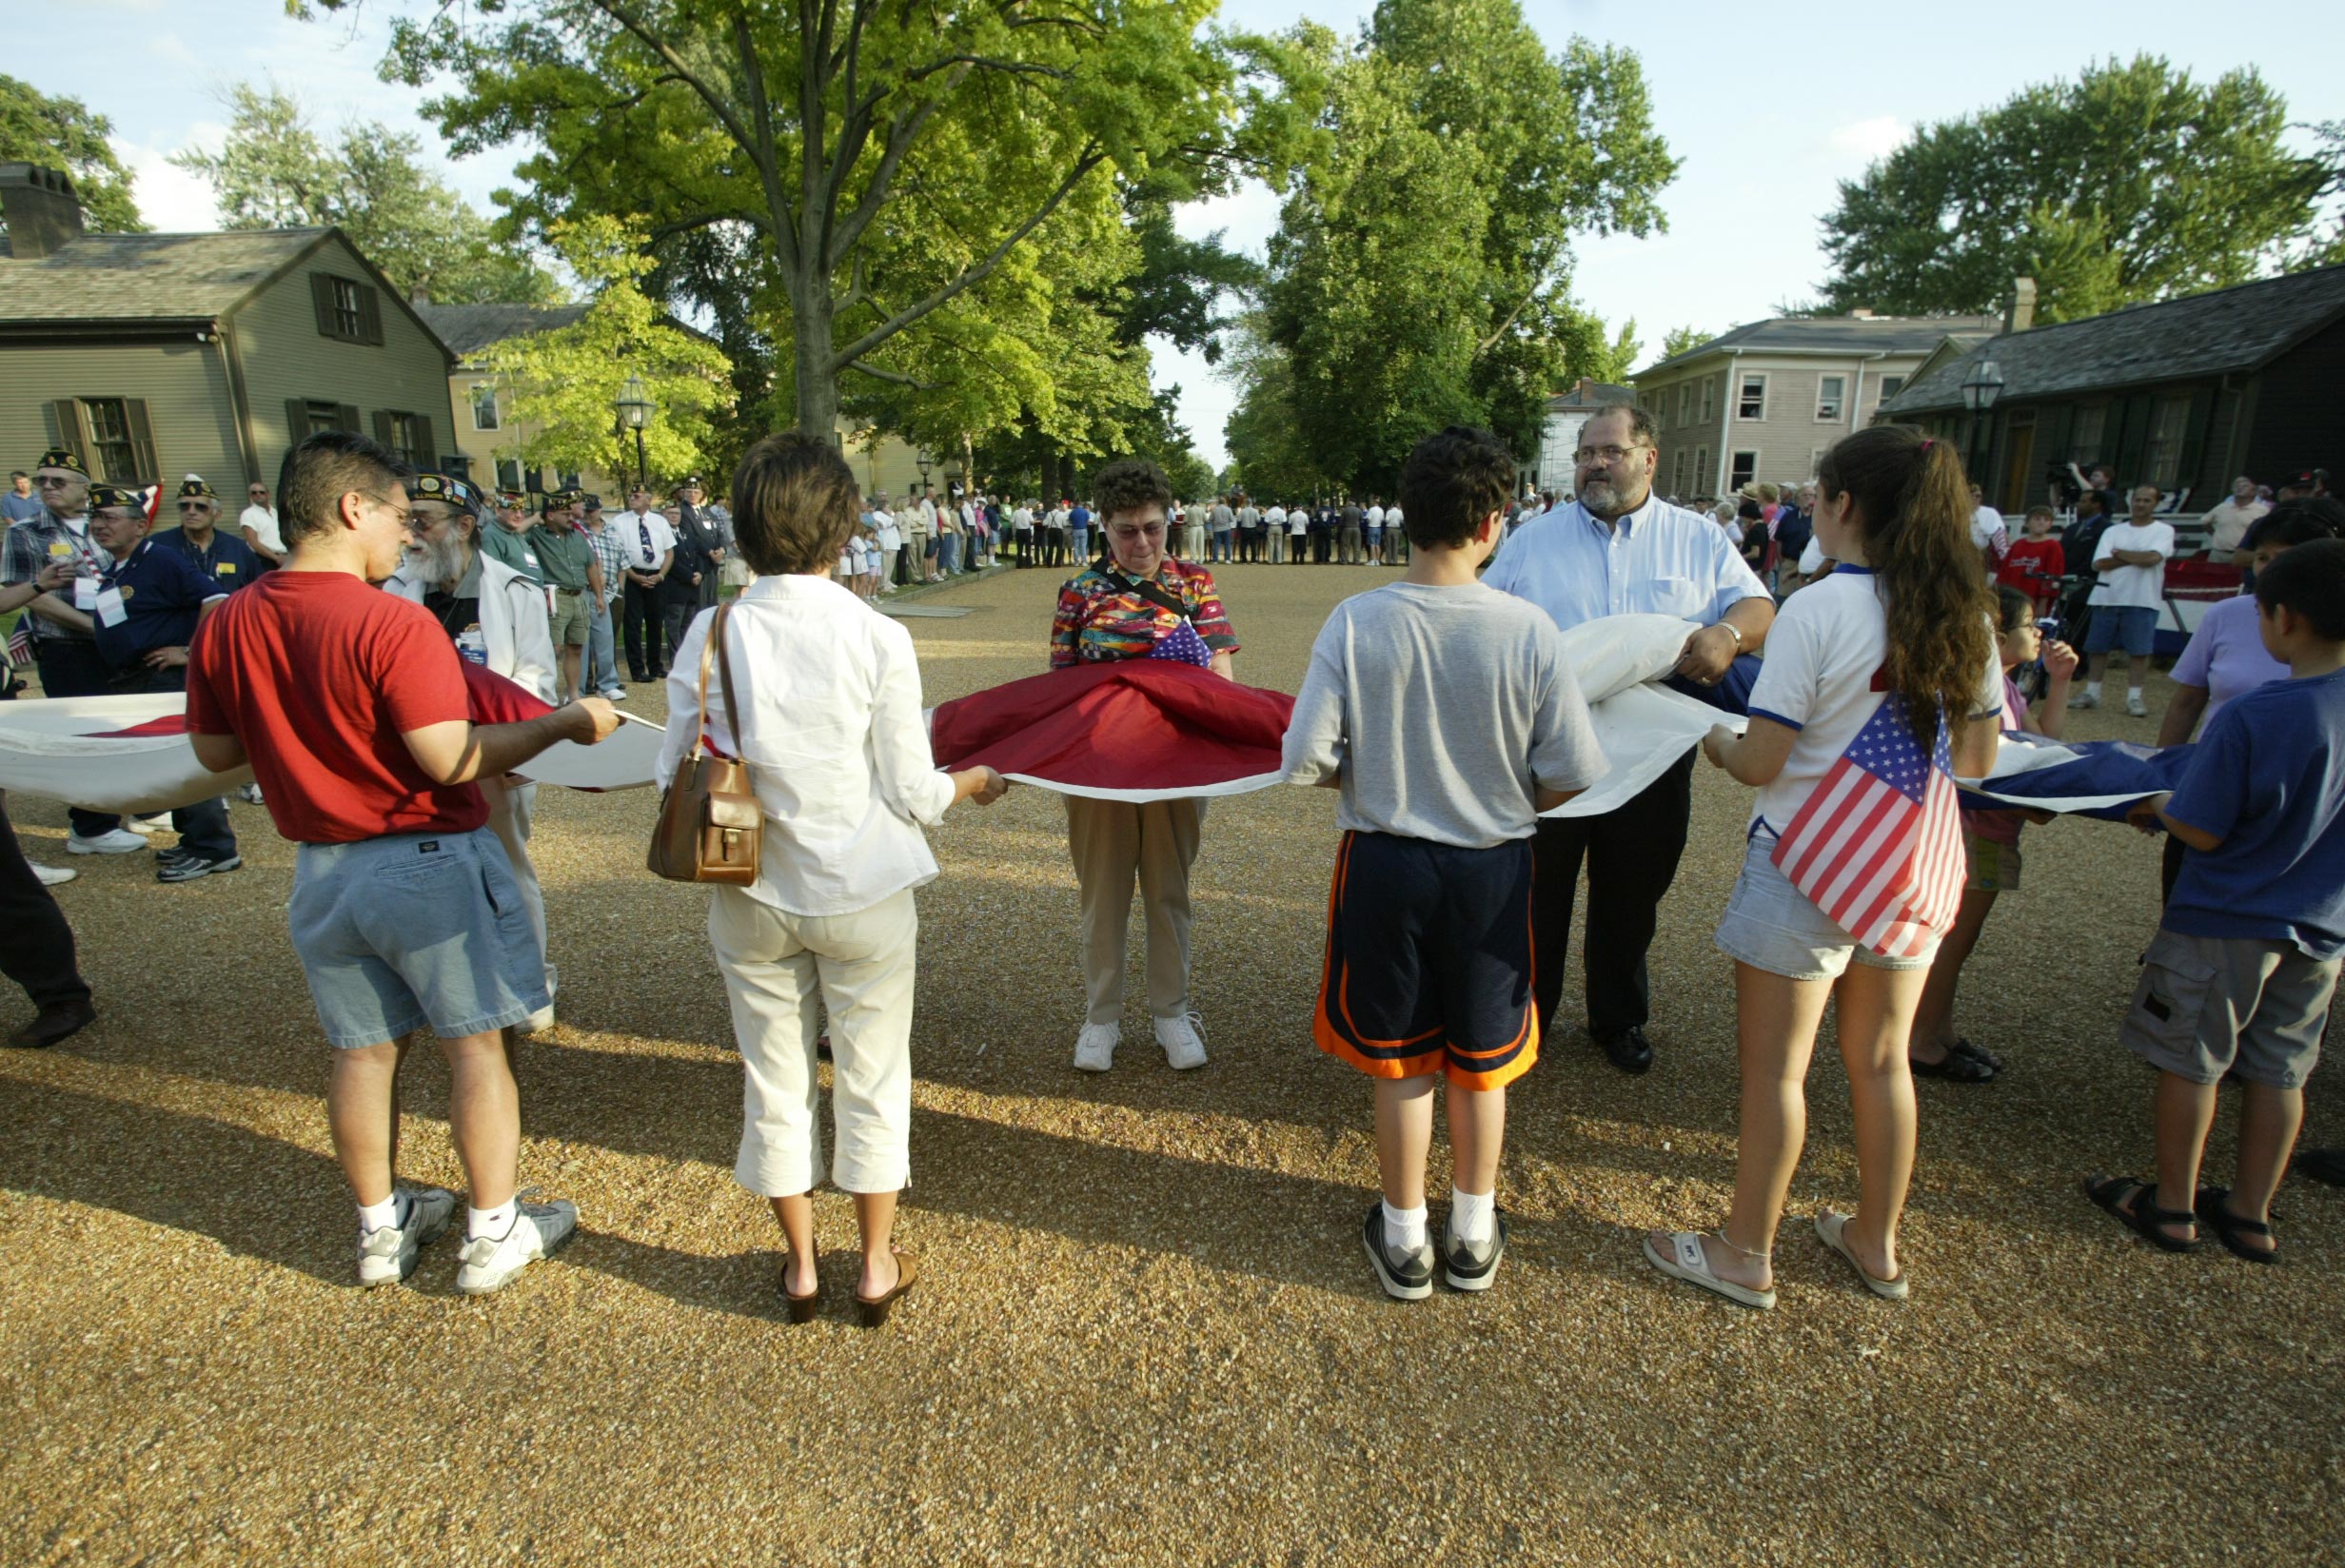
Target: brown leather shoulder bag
[[709, 819]]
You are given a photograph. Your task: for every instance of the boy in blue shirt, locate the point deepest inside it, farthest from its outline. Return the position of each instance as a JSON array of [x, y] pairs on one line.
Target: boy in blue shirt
[[1447, 714], [2240, 976]]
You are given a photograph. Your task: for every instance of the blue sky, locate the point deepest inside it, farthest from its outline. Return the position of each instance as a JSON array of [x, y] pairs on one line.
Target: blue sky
[[1768, 107]]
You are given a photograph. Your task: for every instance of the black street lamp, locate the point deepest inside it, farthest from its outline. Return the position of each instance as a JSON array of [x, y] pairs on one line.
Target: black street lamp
[[1981, 389], [634, 411], [924, 459]]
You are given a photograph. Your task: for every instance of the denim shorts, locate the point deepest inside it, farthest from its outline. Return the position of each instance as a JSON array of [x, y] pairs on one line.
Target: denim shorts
[[413, 930], [1771, 925], [2132, 627]]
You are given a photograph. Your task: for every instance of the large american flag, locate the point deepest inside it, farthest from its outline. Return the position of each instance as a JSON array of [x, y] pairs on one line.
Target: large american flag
[[1878, 846]]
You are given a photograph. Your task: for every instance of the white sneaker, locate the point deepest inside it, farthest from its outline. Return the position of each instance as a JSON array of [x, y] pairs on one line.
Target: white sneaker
[[115, 841], [387, 1253], [538, 1230], [2085, 699], [1094, 1047], [53, 876], [2135, 706], [144, 825], [1183, 1040], [250, 793]]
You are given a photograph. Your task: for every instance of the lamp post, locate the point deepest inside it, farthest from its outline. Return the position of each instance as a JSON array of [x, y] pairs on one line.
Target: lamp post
[[924, 459], [1981, 388], [634, 411]]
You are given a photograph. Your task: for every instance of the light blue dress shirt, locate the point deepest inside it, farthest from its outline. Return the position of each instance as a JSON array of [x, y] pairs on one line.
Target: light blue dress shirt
[[1660, 559]]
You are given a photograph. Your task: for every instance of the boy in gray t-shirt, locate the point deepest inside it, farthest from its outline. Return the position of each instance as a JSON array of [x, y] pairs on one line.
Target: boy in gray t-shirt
[[1444, 713]]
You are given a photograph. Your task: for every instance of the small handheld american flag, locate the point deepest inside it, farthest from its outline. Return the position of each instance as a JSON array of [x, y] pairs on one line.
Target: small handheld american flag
[[1184, 646], [1878, 846]]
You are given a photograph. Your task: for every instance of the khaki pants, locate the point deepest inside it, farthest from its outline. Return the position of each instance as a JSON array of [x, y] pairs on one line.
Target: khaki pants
[[1348, 543], [1193, 541], [773, 964], [1278, 546], [1111, 841]]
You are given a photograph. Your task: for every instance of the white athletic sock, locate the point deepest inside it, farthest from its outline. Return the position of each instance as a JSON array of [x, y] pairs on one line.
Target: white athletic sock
[[1472, 1215], [2091, 688], [375, 1216], [1404, 1229], [2133, 694], [490, 1221]]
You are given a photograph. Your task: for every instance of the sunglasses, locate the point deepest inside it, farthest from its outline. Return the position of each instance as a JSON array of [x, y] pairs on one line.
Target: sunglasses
[[56, 481], [194, 506]]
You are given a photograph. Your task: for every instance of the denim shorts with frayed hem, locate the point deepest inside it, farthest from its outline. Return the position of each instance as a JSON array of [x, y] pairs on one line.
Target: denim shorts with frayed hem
[[1771, 925], [414, 930]]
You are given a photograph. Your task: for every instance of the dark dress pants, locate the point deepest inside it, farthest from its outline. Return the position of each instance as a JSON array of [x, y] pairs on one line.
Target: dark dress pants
[[679, 602], [38, 953], [643, 625], [70, 667], [203, 827], [1632, 855]]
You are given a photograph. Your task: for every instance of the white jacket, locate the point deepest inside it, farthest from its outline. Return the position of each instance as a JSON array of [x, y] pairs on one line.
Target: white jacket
[[514, 623]]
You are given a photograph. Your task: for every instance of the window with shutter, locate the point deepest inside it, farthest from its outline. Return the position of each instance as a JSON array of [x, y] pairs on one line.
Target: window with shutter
[[70, 427], [383, 429], [142, 461], [426, 454], [369, 314], [321, 296], [114, 457], [345, 417]]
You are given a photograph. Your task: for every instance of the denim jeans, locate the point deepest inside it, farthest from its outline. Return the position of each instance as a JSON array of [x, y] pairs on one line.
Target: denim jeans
[[948, 553], [601, 652]]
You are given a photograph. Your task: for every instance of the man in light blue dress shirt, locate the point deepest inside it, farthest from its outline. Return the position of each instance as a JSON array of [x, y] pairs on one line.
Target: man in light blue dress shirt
[[1618, 549]]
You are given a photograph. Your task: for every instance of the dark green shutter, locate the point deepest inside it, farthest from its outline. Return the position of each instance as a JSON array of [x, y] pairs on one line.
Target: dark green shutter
[[296, 421], [426, 454], [321, 295], [143, 460], [346, 418], [369, 314], [71, 427], [383, 427]]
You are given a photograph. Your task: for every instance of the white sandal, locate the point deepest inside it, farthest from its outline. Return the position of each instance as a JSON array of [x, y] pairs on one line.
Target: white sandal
[[1831, 1229], [1692, 1265]]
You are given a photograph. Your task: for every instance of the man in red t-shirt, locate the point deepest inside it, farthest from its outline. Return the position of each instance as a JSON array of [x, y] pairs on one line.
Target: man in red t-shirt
[[350, 706]]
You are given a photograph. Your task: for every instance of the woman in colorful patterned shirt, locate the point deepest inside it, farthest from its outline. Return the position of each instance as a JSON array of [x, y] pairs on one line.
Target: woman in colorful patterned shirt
[[1137, 602]]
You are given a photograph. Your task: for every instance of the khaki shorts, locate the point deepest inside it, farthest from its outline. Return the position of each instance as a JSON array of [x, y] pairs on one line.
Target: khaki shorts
[[571, 617], [2210, 1004]]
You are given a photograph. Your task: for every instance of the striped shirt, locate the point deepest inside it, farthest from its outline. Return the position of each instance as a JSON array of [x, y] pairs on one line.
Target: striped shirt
[[32, 544], [1098, 620], [613, 555]]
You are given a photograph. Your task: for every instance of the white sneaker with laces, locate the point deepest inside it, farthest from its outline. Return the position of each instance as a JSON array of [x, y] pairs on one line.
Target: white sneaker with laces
[[2085, 699], [2135, 706], [53, 876], [1183, 1040], [538, 1231], [387, 1253], [114, 841], [1094, 1047]]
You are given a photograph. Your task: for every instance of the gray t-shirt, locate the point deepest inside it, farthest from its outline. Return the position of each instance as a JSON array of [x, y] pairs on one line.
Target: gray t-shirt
[[1442, 709]]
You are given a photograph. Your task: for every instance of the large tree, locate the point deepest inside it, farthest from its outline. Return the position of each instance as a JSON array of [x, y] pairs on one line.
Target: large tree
[[63, 133], [1421, 273], [275, 171], [868, 164], [2132, 183]]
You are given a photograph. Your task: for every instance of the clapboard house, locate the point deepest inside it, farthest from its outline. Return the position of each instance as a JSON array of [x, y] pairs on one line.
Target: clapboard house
[[158, 355], [2185, 395]]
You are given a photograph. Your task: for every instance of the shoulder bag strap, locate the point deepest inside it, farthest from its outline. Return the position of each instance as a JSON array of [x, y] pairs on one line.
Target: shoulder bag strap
[[1152, 592], [709, 648], [724, 676]]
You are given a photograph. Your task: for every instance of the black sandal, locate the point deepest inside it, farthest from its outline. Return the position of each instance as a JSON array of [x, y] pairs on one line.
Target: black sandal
[[1964, 1063], [2322, 1164], [1981, 1053], [2215, 1209], [2144, 1219]]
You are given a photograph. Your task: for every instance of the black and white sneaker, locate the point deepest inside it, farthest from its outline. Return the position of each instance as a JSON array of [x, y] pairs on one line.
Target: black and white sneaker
[[1405, 1276], [1473, 1265], [188, 868], [387, 1255]]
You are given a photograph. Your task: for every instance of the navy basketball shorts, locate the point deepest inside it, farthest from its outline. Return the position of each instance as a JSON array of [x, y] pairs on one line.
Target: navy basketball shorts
[[1429, 961]]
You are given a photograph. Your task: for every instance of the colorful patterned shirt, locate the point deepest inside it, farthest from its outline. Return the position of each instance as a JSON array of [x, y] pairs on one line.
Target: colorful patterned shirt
[[1097, 619]]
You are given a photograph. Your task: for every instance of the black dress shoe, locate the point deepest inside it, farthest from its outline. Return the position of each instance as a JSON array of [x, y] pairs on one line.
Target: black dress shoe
[[1628, 1050], [54, 1024]]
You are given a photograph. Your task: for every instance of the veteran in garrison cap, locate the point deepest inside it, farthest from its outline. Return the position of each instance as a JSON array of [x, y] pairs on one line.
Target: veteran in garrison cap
[[222, 556]]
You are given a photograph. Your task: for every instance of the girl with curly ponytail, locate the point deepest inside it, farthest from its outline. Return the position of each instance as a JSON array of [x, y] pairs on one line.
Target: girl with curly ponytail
[[1880, 685]]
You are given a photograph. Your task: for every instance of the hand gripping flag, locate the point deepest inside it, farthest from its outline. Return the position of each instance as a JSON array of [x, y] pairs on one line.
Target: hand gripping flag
[[1184, 646], [1878, 846], [1136, 729]]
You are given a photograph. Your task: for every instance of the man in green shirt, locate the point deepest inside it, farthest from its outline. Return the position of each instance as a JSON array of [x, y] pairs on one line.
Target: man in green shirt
[[566, 559], [506, 538]]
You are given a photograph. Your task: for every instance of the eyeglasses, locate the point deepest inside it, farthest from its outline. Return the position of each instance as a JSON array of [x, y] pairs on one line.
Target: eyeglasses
[[56, 481], [403, 506], [194, 506], [257, 494], [1591, 457]]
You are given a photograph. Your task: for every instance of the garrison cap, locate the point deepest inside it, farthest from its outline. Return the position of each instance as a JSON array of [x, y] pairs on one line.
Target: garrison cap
[[58, 456]]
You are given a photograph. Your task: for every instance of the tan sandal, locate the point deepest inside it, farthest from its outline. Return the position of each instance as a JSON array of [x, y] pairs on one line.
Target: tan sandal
[[1831, 1229]]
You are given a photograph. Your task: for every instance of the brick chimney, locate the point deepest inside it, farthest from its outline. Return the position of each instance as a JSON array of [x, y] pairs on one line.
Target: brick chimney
[[40, 208], [2020, 315]]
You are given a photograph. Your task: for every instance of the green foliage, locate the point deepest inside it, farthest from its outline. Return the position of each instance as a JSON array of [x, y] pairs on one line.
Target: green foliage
[[1420, 274], [2133, 182], [63, 133], [1268, 453], [562, 382], [1679, 339], [274, 171]]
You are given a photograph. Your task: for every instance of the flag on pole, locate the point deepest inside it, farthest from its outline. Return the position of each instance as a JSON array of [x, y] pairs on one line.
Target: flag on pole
[[1878, 846]]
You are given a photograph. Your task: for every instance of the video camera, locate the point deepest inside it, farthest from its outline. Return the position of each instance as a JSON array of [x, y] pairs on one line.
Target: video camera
[[2065, 490]]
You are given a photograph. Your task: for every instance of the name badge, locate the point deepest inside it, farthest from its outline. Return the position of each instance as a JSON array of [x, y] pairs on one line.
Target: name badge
[[112, 611], [226, 569], [85, 594], [59, 550]]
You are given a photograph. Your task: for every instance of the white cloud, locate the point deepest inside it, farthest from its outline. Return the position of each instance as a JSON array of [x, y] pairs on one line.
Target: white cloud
[[1248, 216], [170, 199], [1870, 139]]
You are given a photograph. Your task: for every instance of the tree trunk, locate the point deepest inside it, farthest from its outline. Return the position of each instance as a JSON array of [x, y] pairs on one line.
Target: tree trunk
[[817, 383]]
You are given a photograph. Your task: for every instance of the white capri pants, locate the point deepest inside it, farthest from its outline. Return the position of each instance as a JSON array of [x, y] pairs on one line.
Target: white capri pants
[[773, 964]]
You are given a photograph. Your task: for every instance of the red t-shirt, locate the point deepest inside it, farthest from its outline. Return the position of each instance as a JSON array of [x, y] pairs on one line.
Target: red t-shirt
[[2033, 566], [319, 675]]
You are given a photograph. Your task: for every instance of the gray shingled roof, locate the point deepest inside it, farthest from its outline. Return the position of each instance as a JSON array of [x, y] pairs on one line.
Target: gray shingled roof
[[2231, 329], [147, 276], [1835, 335], [1599, 393], [469, 328]]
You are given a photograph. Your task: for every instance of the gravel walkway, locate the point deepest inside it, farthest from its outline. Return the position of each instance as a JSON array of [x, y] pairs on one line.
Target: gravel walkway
[[1144, 1331]]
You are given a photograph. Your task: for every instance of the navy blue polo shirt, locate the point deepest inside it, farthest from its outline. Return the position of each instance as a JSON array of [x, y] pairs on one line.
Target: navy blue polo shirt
[[161, 593], [2268, 778], [227, 560]]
